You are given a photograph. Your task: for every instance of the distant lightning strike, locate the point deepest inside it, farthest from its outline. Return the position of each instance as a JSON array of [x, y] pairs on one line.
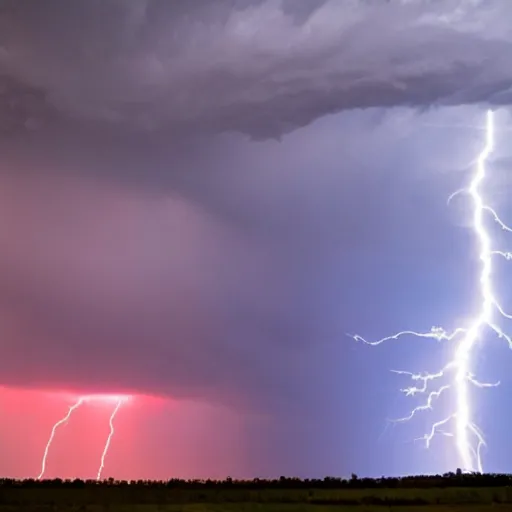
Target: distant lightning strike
[[109, 439], [119, 400], [468, 437], [53, 432]]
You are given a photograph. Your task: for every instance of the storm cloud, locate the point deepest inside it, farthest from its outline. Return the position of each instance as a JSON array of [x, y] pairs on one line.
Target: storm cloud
[[262, 68], [148, 248]]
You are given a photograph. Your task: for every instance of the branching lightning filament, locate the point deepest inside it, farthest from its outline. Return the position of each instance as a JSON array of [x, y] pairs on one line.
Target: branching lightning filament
[[458, 371]]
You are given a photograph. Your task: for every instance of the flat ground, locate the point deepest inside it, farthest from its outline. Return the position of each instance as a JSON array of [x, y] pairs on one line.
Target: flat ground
[[148, 499], [251, 507]]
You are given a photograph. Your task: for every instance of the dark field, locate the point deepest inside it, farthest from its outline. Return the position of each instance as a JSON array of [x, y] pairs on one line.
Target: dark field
[[450, 492]]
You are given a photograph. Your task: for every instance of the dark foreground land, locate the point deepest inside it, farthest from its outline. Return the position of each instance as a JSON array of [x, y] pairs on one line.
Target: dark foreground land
[[450, 492]]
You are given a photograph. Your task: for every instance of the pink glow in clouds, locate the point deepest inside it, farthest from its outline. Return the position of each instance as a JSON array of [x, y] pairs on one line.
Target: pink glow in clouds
[[154, 438]]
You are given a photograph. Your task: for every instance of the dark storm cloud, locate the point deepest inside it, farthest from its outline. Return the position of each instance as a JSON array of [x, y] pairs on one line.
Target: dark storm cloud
[[226, 283], [259, 67], [194, 265]]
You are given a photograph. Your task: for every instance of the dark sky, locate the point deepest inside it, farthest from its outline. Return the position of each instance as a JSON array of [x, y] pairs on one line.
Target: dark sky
[[198, 200]]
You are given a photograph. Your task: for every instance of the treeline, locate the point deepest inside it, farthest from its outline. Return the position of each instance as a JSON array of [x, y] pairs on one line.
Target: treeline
[[457, 479]]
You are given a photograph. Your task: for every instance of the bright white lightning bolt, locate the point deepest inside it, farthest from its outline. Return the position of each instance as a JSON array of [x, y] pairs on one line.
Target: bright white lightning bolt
[[119, 400], [468, 437], [53, 432], [109, 439]]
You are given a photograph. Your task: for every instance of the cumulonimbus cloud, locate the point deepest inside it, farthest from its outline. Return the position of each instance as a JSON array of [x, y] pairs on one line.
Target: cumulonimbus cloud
[[249, 66], [123, 289]]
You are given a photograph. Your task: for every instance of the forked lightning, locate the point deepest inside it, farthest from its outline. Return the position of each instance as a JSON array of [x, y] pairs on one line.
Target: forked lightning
[[457, 375]]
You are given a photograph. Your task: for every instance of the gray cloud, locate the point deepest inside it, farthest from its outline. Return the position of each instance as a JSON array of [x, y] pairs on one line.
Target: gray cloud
[[259, 67], [197, 264], [228, 283]]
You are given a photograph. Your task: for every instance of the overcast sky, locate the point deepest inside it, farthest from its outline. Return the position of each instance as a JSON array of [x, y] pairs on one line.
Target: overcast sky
[[199, 200]]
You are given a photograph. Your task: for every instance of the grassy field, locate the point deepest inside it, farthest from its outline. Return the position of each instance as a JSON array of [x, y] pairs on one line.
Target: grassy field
[[441, 493], [250, 507], [249, 500]]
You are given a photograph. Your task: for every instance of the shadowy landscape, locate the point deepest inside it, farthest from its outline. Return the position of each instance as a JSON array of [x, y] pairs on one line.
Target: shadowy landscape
[[451, 491]]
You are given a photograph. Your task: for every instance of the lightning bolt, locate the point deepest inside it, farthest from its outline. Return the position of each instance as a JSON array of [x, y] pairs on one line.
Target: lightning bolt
[[468, 437], [118, 399], [66, 418], [109, 439]]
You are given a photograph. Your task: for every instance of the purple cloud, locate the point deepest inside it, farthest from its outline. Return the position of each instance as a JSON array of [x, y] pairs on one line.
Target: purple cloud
[[259, 67]]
